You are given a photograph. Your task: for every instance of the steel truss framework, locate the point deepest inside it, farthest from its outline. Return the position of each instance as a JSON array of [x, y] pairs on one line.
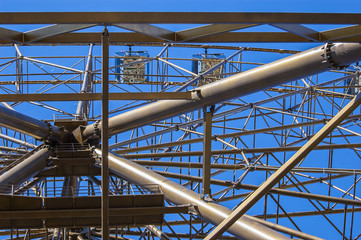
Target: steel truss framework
[[210, 141]]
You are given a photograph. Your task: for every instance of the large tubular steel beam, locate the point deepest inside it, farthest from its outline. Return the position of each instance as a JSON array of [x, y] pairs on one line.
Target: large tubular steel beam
[[245, 228], [24, 170], [28, 125], [313, 61]]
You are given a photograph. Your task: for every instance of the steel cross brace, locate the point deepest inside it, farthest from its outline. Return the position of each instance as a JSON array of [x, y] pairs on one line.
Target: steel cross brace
[[281, 172]]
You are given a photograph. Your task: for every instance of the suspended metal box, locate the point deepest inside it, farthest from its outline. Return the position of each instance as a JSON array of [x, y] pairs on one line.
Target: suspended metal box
[[203, 62], [129, 71]]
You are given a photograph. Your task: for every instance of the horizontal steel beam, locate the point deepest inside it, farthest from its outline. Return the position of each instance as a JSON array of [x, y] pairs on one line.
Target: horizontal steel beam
[[126, 38], [176, 17], [238, 151], [73, 213], [94, 96], [196, 165], [311, 213]]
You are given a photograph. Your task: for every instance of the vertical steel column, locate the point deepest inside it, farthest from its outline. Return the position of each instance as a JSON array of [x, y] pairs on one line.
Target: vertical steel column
[[281, 172], [207, 147], [104, 134]]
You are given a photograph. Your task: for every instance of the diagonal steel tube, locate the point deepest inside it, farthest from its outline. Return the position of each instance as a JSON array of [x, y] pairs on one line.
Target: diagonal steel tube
[[303, 64], [208, 210], [225, 113], [28, 125], [281, 172], [24, 170]]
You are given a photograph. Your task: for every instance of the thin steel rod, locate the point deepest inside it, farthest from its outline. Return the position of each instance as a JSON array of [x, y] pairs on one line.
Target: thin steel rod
[[45, 63], [208, 71], [238, 151], [176, 66], [311, 213], [13, 149], [53, 65], [18, 141], [280, 173], [244, 167]]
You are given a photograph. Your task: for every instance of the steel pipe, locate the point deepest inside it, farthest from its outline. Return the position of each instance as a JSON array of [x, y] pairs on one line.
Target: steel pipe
[[28, 125], [82, 108], [313, 61], [24, 171], [18, 141], [245, 228]]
